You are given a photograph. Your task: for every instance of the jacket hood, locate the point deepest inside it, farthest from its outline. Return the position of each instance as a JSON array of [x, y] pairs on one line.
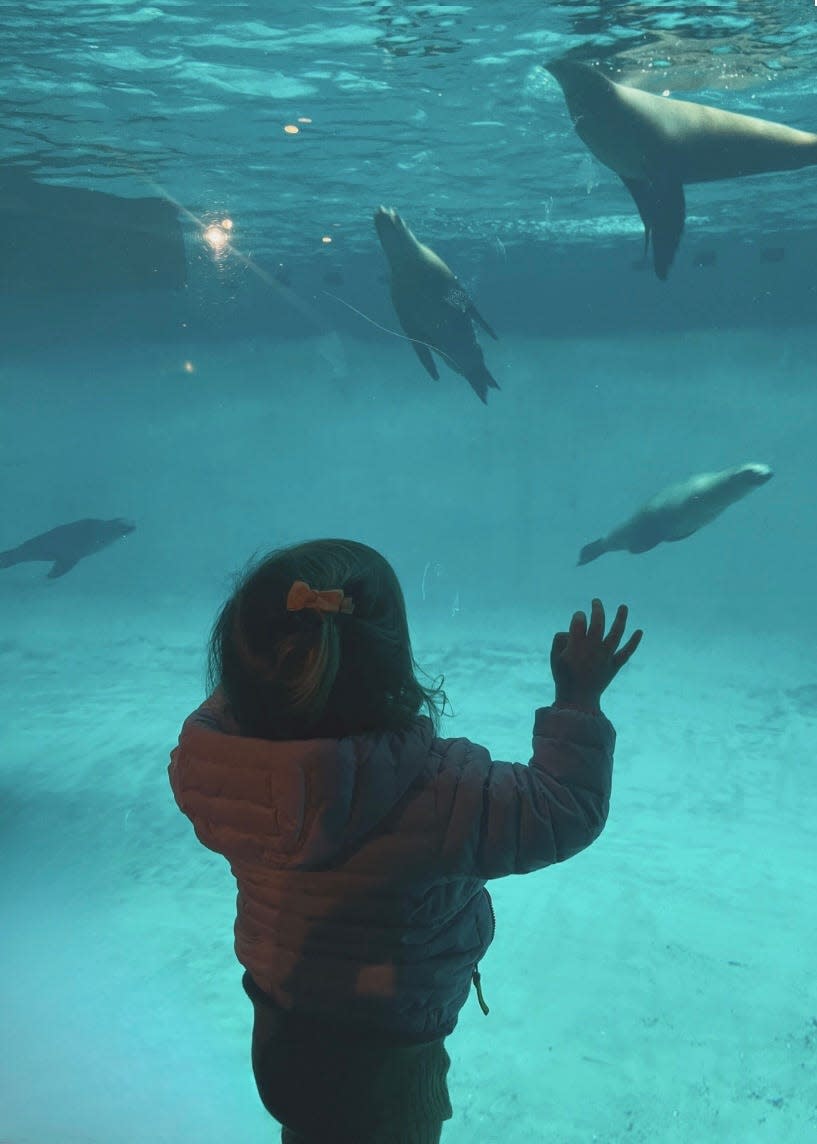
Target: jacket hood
[[293, 804]]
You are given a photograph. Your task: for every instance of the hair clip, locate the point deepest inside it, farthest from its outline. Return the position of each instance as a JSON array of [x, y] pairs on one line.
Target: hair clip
[[301, 596]]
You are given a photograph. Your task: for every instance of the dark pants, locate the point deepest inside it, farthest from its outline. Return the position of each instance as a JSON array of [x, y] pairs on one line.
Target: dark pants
[[329, 1084], [432, 1136]]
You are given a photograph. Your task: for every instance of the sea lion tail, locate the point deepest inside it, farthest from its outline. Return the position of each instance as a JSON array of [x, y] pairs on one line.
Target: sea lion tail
[[8, 558], [481, 381], [592, 551]]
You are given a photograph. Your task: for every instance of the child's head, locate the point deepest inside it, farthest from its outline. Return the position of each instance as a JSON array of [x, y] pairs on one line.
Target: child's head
[[308, 673]]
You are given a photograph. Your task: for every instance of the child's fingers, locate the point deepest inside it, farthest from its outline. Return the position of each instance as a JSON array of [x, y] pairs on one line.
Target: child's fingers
[[596, 628], [621, 657], [558, 645], [613, 637], [578, 626]]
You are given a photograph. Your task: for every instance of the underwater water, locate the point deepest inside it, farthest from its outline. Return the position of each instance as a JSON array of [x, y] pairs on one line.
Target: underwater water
[[233, 389]]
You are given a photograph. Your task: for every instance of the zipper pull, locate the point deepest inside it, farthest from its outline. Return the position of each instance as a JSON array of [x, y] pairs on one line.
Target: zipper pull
[[477, 980]]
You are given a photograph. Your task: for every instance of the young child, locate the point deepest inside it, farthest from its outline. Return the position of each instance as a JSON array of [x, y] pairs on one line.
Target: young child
[[361, 842]]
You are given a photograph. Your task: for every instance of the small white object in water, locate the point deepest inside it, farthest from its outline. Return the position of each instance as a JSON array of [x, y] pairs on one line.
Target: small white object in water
[[425, 577], [588, 174]]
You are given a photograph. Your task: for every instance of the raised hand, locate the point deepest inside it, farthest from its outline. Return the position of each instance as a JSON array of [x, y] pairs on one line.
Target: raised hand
[[584, 661]]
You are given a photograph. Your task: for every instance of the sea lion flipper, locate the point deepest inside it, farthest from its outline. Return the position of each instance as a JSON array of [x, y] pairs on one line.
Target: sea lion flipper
[[458, 297], [661, 204], [475, 316], [60, 567], [424, 354]]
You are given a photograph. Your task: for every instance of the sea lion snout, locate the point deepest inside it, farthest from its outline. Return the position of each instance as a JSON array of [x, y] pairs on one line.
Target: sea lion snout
[[393, 233], [386, 219], [562, 70], [756, 474], [578, 81], [109, 531]]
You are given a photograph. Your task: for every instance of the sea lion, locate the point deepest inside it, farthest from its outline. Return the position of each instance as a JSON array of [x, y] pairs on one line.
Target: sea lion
[[678, 511], [655, 145], [67, 543], [432, 306]]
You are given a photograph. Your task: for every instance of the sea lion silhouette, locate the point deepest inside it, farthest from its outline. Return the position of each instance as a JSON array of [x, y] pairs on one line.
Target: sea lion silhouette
[[67, 543], [432, 306], [678, 511], [656, 145]]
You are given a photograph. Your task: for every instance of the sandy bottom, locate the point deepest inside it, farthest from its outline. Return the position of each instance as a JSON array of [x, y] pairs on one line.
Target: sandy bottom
[[658, 987]]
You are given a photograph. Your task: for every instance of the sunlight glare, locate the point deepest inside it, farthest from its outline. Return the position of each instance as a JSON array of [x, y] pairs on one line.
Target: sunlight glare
[[216, 237]]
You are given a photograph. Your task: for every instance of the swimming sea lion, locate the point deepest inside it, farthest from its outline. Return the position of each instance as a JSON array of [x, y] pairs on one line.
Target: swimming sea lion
[[678, 511], [67, 543], [432, 306], [655, 145]]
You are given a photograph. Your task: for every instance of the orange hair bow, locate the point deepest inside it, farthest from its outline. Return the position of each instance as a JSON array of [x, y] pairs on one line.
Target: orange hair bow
[[301, 596]]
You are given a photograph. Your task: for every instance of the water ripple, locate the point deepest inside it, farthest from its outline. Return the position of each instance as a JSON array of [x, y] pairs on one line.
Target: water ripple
[[440, 108]]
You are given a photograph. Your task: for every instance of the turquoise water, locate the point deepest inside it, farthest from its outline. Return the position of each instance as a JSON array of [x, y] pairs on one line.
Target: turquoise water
[[230, 398]]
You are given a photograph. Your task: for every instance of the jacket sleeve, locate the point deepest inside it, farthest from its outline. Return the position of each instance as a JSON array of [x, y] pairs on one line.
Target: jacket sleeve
[[214, 715], [508, 818], [211, 715]]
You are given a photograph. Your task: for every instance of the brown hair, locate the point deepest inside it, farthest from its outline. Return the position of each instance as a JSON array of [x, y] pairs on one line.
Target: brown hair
[[309, 674]]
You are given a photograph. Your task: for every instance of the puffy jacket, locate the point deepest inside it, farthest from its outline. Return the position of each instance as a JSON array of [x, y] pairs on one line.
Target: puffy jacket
[[361, 862]]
